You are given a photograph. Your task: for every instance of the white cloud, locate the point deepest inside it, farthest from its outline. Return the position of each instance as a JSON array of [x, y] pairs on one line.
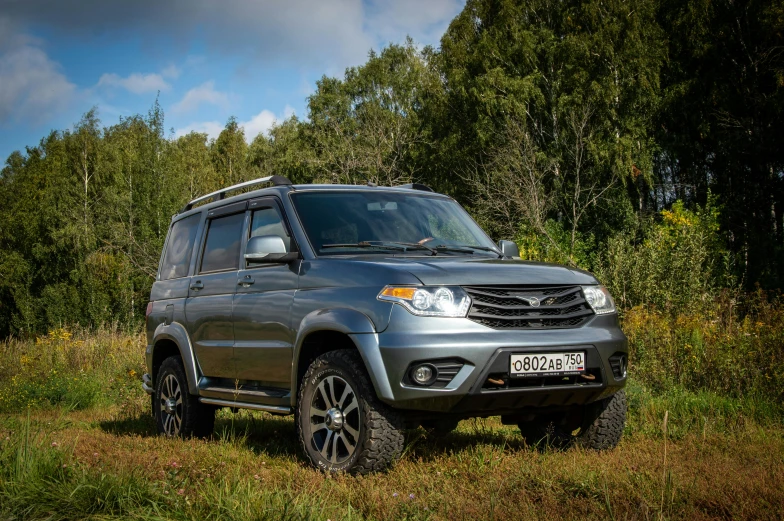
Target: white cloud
[[258, 124], [329, 34], [136, 83], [204, 93], [424, 21], [32, 87], [172, 72]]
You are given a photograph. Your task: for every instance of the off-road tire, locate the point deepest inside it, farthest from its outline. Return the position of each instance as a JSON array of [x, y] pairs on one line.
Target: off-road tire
[[197, 419], [545, 432], [381, 438], [601, 427], [605, 423]]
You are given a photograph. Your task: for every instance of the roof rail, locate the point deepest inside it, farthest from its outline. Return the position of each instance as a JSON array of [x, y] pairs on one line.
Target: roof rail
[[416, 186], [276, 180]]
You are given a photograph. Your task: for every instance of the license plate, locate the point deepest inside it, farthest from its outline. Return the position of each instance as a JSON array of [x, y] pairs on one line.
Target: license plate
[[546, 364]]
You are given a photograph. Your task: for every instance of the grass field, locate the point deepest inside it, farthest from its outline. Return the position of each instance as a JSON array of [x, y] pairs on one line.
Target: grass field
[[77, 441]]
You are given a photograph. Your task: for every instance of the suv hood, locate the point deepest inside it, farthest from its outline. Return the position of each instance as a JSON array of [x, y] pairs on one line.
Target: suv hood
[[483, 271]]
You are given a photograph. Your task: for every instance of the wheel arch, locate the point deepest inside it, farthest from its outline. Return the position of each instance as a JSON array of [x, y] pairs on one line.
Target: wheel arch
[[327, 330], [169, 340]]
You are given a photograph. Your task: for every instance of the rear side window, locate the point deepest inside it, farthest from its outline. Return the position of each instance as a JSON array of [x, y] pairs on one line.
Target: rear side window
[[178, 250], [222, 247]]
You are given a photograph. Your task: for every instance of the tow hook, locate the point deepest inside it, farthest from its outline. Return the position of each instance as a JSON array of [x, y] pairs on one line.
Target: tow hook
[[496, 381], [589, 377]]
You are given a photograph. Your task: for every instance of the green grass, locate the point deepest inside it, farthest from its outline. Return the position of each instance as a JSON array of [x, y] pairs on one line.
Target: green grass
[[107, 462], [77, 442]]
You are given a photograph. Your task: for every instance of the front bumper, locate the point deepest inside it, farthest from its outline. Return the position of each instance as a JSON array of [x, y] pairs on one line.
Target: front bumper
[[485, 352]]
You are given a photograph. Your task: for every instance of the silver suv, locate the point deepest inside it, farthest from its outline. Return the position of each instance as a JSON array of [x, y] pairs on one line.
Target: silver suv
[[367, 310]]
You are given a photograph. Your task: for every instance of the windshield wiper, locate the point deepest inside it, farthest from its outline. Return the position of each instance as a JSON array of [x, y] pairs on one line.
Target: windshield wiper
[[364, 244], [416, 245], [384, 245], [461, 248]]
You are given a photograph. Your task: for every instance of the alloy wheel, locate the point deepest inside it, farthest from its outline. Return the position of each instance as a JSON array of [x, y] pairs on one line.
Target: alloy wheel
[[171, 405], [334, 420]]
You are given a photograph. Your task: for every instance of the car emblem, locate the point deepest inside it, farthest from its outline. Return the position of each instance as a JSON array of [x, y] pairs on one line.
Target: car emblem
[[532, 301]]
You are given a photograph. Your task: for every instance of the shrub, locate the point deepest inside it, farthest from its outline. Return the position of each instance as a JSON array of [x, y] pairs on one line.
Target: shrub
[[675, 263], [555, 245], [729, 347]]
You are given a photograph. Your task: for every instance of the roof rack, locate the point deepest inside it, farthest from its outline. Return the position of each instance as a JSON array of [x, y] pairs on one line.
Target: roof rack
[[416, 186], [276, 180]]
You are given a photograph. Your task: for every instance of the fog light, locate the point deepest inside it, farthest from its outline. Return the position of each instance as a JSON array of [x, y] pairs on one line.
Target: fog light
[[424, 374]]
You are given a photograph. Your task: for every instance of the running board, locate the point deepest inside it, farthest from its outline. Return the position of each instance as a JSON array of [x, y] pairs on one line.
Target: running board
[[275, 409], [260, 396]]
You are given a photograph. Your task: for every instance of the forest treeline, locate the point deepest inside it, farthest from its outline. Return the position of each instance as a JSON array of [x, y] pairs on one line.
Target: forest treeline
[[642, 140]]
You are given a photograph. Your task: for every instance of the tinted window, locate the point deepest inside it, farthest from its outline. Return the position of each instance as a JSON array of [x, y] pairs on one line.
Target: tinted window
[[268, 221], [179, 248], [222, 246]]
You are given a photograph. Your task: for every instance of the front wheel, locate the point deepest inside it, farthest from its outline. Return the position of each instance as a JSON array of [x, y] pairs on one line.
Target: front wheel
[[341, 424]]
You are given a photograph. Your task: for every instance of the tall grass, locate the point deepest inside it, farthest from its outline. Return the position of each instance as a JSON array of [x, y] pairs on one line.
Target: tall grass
[[733, 347], [76, 369], [104, 459]]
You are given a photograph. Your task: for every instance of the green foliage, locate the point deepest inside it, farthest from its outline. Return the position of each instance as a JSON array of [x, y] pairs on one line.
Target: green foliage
[[730, 348], [63, 369], [676, 263], [555, 245], [565, 125]]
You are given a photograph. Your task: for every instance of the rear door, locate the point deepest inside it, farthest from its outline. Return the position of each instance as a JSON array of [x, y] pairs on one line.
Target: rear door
[[263, 337], [208, 308], [170, 289]]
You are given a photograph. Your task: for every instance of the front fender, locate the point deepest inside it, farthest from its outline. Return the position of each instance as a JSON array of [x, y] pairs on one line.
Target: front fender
[[177, 334], [362, 332]]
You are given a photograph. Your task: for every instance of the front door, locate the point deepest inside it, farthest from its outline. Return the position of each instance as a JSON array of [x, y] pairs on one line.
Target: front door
[[263, 338], [208, 309]]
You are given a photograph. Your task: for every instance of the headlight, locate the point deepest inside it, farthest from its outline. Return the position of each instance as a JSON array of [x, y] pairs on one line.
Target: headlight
[[439, 301], [599, 299]]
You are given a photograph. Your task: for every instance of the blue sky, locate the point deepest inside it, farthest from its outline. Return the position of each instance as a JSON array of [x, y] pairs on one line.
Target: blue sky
[[256, 60]]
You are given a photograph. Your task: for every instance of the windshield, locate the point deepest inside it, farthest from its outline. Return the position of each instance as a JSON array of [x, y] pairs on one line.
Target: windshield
[[338, 223]]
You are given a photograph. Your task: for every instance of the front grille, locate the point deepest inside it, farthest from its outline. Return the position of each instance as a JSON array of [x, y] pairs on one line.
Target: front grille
[[515, 307]]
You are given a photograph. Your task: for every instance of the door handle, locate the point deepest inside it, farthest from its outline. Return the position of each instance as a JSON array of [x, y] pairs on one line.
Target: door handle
[[196, 286], [247, 281]]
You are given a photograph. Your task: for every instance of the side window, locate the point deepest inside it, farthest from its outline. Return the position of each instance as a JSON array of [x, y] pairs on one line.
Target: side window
[[222, 245], [178, 250], [268, 221]]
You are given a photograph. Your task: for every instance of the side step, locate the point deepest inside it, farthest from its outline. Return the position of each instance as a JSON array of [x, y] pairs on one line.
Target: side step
[[275, 409], [250, 395]]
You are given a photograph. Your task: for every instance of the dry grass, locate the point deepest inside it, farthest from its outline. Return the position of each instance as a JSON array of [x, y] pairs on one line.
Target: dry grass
[[88, 450], [483, 471]]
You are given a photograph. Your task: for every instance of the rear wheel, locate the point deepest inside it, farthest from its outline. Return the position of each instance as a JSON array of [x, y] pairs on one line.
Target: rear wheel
[[599, 426], [177, 412], [341, 424], [604, 424]]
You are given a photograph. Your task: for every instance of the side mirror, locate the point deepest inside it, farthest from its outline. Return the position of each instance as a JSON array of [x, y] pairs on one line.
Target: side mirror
[[268, 249], [509, 249]]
